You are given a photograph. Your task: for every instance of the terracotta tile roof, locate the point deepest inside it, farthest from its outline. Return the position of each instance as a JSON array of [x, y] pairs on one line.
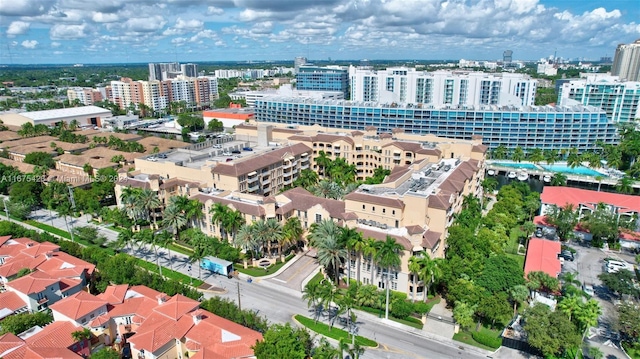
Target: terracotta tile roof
[[54, 335], [480, 148], [69, 283], [176, 182], [41, 249], [244, 207], [143, 291], [221, 338], [28, 141], [8, 342], [114, 294], [177, 306], [14, 246], [141, 306], [371, 128], [256, 162], [439, 201], [100, 320], [78, 305], [9, 303], [382, 236], [576, 196], [413, 147], [542, 255], [414, 229], [133, 182], [397, 173], [330, 138], [12, 266], [349, 216], [61, 264], [32, 283], [302, 200], [380, 200], [430, 239], [158, 330], [357, 133]]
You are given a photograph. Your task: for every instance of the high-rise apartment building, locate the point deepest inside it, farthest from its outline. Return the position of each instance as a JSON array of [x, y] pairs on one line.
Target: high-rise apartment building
[[460, 88], [331, 78], [189, 70], [544, 127], [299, 61], [619, 99], [164, 71], [626, 62], [86, 96], [507, 56]]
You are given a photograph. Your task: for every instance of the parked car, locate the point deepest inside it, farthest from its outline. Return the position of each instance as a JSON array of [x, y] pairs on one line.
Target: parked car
[[162, 155], [217, 146], [152, 159], [588, 290], [226, 153], [235, 152], [247, 149], [229, 159], [567, 255]]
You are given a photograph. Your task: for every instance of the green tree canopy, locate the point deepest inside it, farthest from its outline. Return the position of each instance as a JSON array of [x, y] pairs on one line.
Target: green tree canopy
[[19, 323], [550, 332], [501, 273], [43, 159], [284, 341]]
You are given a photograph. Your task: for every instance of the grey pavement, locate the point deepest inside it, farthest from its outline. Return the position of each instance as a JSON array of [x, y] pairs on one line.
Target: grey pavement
[[279, 304], [293, 276], [445, 327]]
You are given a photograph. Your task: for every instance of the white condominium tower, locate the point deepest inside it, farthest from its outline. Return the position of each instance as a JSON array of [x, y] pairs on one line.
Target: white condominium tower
[[626, 62], [441, 88]]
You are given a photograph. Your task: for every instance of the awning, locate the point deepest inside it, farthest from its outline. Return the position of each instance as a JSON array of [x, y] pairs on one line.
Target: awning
[[397, 151], [252, 173]]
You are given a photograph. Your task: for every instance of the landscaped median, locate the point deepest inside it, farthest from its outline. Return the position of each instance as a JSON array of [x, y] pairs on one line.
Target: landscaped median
[[333, 333], [260, 272]]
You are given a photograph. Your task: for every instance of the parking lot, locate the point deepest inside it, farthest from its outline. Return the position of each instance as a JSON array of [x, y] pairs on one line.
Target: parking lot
[[589, 263]]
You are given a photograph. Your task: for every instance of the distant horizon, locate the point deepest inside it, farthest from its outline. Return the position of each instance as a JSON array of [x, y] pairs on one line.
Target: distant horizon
[[59, 32]]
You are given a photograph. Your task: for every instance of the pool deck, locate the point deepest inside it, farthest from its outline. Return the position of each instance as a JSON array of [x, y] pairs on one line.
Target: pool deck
[[607, 178]]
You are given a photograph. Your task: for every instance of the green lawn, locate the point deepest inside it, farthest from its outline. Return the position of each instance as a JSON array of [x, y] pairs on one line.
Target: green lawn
[[317, 278], [465, 337], [152, 267], [48, 228], [412, 322], [633, 352], [333, 333], [517, 257], [259, 272]]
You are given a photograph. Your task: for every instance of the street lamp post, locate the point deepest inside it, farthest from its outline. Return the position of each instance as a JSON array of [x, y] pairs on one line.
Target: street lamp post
[[73, 206], [6, 210]]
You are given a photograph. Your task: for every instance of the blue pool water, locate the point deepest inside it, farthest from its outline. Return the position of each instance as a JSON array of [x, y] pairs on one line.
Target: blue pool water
[[529, 166], [580, 170]]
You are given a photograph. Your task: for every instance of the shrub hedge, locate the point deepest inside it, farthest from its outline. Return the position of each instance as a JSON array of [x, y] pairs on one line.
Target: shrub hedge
[[487, 339]]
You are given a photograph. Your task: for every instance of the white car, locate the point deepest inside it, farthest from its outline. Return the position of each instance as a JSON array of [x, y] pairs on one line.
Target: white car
[[226, 153], [588, 289], [217, 146], [613, 266]]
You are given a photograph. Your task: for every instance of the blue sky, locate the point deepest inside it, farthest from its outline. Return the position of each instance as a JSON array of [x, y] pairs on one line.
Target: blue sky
[[116, 31]]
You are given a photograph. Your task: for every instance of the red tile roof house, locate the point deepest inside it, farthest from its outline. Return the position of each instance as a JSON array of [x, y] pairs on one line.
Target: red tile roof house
[[54, 275], [585, 201], [155, 325], [542, 255], [53, 341]]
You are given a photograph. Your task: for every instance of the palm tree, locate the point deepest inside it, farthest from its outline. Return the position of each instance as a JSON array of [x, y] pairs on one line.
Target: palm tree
[[518, 295], [536, 155], [359, 245], [327, 292], [148, 200], [348, 238], [323, 229], [518, 154], [292, 231], [430, 270], [370, 251], [323, 161], [73, 125], [245, 239], [331, 255], [219, 213], [193, 212], [266, 231], [129, 200], [327, 189], [599, 179], [366, 295], [148, 236], [569, 305], [233, 221], [311, 293], [165, 239], [201, 249], [175, 219], [414, 268], [558, 179], [500, 152], [306, 179], [81, 335], [625, 185], [573, 159], [551, 156], [388, 256], [125, 238]]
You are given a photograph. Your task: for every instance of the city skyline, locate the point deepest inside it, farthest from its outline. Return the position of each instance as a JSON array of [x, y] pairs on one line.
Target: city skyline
[[118, 31]]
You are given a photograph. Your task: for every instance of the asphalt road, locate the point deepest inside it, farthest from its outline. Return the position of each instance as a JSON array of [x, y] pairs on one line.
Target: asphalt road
[[279, 304]]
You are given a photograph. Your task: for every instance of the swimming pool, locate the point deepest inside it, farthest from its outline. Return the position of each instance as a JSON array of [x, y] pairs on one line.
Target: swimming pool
[[580, 170], [527, 166]]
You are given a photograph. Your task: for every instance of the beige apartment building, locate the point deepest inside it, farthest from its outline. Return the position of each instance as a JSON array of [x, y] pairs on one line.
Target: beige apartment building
[[415, 204]]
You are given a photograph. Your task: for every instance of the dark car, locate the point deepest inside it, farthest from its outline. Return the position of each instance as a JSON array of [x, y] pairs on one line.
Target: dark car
[[162, 155], [229, 159], [247, 149], [539, 233], [235, 152], [567, 255]]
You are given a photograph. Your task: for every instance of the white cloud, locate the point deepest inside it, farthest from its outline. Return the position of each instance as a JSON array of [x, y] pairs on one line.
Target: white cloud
[[55, 44], [24, 7], [68, 32], [212, 10], [18, 28], [29, 44], [102, 17], [145, 24], [58, 52], [183, 26]]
